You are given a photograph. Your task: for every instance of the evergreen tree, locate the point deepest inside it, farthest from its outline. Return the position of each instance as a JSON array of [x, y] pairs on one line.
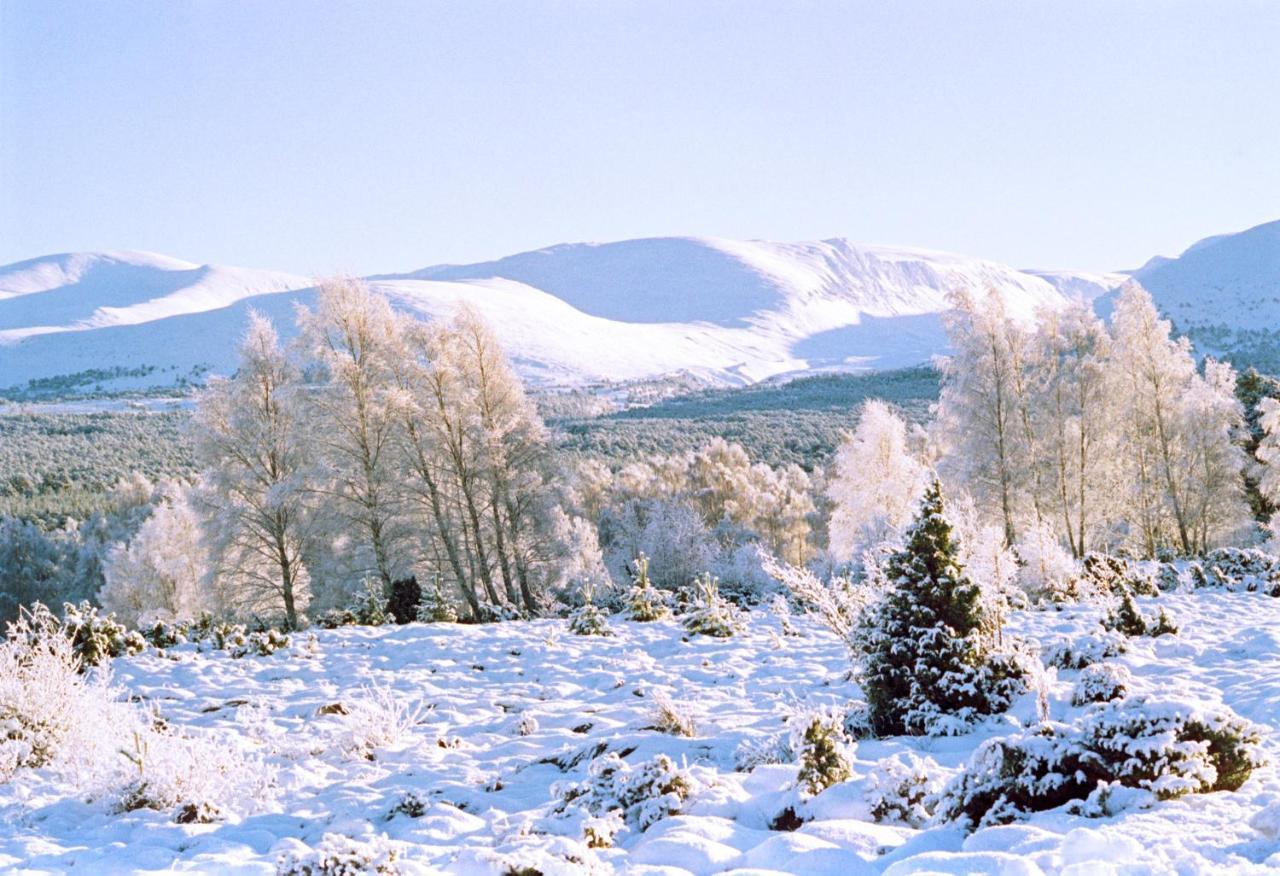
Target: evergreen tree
[[930, 663], [1257, 393]]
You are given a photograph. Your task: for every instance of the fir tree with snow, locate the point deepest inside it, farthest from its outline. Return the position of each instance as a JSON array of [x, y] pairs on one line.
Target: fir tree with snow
[[710, 614], [930, 657], [646, 602], [436, 606], [587, 619]]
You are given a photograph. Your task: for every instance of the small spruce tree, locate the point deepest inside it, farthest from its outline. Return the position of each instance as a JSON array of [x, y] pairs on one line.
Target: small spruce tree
[[436, 606], [646, 602], [930, 661]]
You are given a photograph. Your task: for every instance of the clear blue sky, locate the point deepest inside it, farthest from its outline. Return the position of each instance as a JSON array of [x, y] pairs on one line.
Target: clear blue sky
[[378, 136]]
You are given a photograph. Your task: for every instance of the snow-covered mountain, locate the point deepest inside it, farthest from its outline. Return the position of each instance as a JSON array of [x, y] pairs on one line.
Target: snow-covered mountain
[[1224, 292], [725, 311]]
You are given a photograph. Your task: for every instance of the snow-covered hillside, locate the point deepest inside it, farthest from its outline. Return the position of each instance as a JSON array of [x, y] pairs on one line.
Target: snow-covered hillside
[[725, 311], [1223, 291], [452, 747]]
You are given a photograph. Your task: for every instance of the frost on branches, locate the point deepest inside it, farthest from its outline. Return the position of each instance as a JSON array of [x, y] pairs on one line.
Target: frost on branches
[[930, 657]]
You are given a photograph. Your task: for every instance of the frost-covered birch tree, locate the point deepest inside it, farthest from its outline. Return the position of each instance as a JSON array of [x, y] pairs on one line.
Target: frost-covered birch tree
[[252, 447], [983, 409], [351, 341], [1072, 412], [876, 484], [1184, 469]]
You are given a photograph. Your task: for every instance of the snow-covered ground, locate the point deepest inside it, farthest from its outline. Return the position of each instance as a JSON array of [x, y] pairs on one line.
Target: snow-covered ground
[[488, 708]]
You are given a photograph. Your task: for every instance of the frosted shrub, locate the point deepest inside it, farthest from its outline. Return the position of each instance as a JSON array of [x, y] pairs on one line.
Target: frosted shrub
[[1046, 571], [819, 743], [837, 603], [1107, 574], [377, 719], [47, 706], [758, 750], [203, 777], [370, 604], [1125, 618], [1167, 748], [367, 607], [641, 795], [436, 607], [1247, 569], [902, 789], [644, 601], [96, 637], [668, 716], [1077, 652], [339, 855], [930, 659], [262, 643], [1101, 683], [587, 619], [709, 613], [162, 634]]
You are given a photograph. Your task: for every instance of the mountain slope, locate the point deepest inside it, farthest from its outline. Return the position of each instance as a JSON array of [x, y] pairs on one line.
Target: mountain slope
[[84, 291], [1224, 293], [725, 311]]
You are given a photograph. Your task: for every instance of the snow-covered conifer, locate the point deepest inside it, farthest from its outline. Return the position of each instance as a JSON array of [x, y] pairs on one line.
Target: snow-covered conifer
[[930, 659]]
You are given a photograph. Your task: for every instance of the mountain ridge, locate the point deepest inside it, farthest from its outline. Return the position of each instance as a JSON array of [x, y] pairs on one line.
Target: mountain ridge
[[726, 311]]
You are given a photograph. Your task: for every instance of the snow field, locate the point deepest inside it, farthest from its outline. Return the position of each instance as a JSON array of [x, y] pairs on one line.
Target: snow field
[[469, 731]]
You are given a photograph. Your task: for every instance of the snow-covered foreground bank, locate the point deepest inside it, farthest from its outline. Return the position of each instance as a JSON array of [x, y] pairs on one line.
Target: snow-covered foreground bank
[[495, 716]]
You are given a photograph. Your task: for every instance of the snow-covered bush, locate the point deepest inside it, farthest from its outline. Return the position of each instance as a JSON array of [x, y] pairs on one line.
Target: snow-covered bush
[[644, 601], [260, 643], [366, 607], [709, 613], [836, 603], [340, 855], [668, 716], [820, 745], [930, 658], [755, 751], [1165, 747], [47, 705], [377, 719], [903, 789], [203, 777], [641, 795], [1125, 618], [1077, 652], [1248, 569], [1108, 574], [587, 619], [163, 634], [1101, 683], [436, 607], [97, 638], [1046, 570]]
